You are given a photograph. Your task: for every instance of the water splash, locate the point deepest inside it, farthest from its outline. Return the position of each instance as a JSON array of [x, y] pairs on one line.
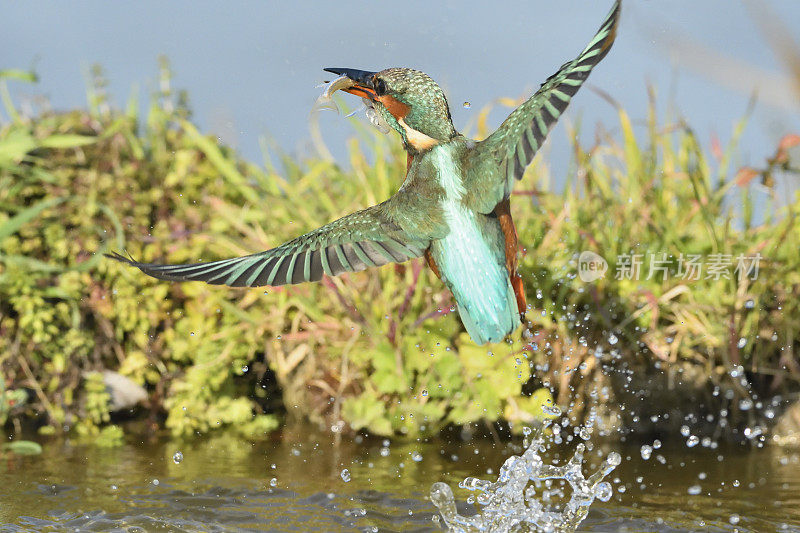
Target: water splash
[[509, 504]]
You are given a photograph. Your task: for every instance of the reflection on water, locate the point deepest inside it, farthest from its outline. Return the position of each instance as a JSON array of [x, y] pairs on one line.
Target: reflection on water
[[219, 508], [226, 484]]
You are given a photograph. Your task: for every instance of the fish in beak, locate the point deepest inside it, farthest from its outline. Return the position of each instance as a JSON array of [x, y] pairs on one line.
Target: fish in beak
[[357, 82], [362, 82]]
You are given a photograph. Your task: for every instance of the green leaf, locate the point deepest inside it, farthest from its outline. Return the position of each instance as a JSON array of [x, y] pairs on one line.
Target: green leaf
[[387, 376], [30, 263], [67, 141], [23, 447], [366, 412], [19, 141], [16, 144], [10, 226], [464, 410], [19, 75]]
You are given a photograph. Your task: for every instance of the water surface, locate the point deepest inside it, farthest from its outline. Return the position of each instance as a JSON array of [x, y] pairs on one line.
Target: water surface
[[223, 483]]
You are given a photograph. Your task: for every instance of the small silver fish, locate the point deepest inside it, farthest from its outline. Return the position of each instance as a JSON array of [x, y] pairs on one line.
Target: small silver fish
[[325, 101]]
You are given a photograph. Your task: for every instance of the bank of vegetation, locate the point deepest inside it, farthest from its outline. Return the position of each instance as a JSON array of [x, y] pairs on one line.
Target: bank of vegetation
[[381, 351]]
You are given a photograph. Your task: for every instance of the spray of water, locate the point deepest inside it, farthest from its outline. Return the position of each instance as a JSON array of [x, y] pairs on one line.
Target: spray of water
[[511, 504]]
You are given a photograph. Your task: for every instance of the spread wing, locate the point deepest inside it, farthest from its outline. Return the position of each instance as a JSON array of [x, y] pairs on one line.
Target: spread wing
[[363, 239], [518, 139]]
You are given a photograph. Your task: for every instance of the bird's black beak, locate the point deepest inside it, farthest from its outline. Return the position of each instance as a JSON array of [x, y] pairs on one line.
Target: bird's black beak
[[363, 79]]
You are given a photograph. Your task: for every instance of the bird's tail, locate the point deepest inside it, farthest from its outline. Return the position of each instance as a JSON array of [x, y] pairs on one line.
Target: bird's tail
[[472, 265], [489, 319]]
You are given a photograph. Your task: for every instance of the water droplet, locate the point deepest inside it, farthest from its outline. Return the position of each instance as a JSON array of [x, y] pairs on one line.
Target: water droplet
[[692, 441], [646, 452], [416, 457], [742, 342], [694, 490], [245, 368], [273, 482], [584, 434], [734, 519], [614, 459], [177, 457], [603, 492], [345, 475], [553, 410], [156, 482], [685, 431], [467, 105], [612, 339], [749, 304]]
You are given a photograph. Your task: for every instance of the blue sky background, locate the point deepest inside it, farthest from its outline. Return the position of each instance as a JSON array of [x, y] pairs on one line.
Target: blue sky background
[[251, 68]]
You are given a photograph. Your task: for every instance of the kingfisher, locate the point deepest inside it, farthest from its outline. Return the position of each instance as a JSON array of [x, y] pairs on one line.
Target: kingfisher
[[452, 207]]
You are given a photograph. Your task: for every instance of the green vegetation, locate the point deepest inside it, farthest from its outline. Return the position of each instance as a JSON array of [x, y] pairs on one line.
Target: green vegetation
[[381, 350]]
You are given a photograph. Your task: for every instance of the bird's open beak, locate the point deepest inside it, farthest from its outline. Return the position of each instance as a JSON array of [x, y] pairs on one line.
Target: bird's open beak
[[364, 86]]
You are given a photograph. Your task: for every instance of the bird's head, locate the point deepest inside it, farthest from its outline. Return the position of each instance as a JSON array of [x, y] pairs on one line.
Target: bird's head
[[408, 100]]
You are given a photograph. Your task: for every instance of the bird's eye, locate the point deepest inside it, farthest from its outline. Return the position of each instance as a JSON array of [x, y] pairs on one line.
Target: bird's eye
[[380, 87]]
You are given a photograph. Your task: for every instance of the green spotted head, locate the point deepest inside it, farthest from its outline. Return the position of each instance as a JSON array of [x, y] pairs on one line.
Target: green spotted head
[[406, 99]]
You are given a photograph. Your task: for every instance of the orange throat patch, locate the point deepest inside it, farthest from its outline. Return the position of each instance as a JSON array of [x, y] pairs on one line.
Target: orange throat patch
[[418, 140]]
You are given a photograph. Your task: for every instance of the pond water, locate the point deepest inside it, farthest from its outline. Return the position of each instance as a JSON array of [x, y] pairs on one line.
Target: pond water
[[297, 482]]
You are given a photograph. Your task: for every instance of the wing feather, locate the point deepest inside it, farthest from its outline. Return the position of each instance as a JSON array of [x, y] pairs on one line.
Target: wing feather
[[367, 238], [517, 140]]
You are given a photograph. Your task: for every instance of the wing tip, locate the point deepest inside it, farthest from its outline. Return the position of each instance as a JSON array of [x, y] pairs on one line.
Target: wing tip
[[613, 17], [116, 256], [151, 269]]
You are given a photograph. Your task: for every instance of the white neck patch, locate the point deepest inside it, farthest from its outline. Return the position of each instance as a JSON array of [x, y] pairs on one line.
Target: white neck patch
[[449, 174], [417, 139]]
